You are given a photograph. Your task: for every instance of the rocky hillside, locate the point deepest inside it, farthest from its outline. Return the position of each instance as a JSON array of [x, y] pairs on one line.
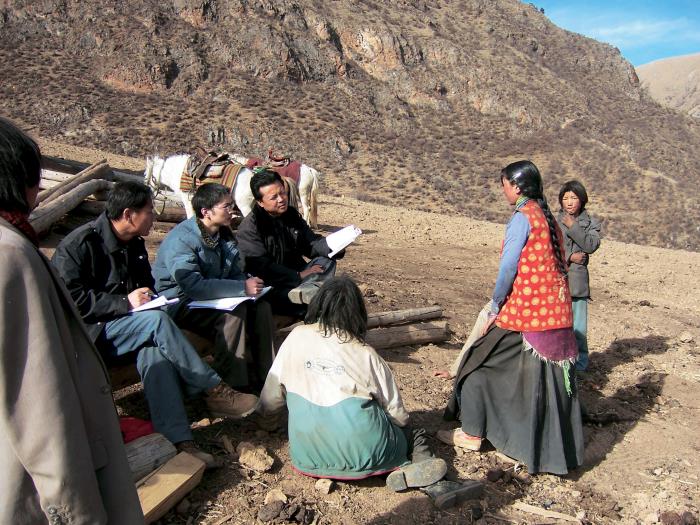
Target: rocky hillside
[[674, 82], [410, 103]]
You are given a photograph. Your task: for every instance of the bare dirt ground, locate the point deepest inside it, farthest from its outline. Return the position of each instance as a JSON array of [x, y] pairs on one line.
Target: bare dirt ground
[[642, 455]]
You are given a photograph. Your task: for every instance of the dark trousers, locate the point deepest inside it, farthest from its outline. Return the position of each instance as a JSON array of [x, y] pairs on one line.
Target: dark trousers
[[243, 346], [279, 300], [417, 440]]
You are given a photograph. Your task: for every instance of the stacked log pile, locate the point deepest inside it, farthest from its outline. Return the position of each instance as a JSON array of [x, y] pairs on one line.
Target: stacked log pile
[[414, 326], [68, 185]]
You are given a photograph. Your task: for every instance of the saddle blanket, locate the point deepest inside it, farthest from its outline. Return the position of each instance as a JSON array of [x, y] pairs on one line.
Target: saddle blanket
[[221, 174]]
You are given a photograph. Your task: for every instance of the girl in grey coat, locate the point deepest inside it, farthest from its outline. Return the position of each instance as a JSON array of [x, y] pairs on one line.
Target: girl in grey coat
[[581, 238]]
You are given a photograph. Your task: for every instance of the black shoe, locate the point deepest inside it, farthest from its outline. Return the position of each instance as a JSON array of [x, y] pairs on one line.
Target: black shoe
[[446, 494], [419, 474]]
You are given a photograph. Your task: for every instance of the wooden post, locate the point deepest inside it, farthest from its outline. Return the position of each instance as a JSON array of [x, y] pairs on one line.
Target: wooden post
[[405, 335], [45, 215], [101, 170], [403, 316]]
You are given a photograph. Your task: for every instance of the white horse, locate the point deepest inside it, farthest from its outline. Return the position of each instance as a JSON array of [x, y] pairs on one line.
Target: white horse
[[308, 190], [168, 172]]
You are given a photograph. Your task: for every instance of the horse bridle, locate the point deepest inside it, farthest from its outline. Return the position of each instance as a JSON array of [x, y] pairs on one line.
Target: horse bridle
[[156, 187]]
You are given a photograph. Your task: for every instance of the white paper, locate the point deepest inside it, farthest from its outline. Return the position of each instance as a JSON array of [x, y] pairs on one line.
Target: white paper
[[342, 238], [155, 303], [227, 303]]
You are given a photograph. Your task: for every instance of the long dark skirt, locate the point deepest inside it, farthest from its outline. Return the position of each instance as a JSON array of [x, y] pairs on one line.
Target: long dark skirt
[[519, 403]]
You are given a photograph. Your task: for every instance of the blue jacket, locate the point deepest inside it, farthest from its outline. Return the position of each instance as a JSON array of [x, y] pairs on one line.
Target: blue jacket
[[187, 268]]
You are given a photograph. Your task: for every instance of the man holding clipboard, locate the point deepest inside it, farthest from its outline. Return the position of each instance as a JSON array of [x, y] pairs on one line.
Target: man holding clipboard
[[279, 247]]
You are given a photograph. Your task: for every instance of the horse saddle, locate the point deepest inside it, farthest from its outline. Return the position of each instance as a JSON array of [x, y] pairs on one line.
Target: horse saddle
[[205, 167], [277, 161]]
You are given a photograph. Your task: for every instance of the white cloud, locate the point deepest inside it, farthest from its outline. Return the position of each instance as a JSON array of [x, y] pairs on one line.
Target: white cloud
[[624, 30], [637, 33]]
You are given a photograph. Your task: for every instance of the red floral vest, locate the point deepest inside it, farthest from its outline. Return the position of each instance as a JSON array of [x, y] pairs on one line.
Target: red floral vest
[[540, 298]]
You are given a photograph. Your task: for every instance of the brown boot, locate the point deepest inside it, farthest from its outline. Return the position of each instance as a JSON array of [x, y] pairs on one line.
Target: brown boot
[[224, 401], [191, 448]]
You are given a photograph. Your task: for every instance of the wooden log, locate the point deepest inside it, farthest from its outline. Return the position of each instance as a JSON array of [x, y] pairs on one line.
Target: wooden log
[[117, 176], [147, 453], [170, 214], [403, 316], [101, 170], [404, 335], [55, 176], [91, 207], [525, 507], [98, 195], [45, 215], [73, 166], [162, 489]]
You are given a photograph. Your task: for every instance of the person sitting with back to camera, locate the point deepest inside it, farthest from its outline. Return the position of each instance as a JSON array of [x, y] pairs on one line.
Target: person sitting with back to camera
[[274, 240], [106, 270], [199, 260], [347, 420]]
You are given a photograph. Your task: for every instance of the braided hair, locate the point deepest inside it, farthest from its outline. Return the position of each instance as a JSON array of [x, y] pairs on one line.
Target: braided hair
[[525, 175]]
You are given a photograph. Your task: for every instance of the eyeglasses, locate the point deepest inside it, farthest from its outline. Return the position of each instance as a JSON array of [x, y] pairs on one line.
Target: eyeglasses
[[226, 207]]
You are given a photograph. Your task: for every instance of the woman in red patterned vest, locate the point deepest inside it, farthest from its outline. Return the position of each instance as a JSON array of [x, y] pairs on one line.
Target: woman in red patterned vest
[[516, 386]]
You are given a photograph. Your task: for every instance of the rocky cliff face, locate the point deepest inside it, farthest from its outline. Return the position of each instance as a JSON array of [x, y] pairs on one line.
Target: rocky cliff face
[[412, 103]]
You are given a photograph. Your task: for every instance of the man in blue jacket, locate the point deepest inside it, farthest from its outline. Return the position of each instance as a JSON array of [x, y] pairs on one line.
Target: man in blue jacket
[[199, 260]]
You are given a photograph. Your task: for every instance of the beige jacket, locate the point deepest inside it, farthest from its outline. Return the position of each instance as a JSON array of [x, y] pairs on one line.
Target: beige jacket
[[62, 458]]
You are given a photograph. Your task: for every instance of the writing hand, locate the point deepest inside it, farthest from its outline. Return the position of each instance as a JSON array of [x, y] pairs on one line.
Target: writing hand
[[253, 286], [139, 296]]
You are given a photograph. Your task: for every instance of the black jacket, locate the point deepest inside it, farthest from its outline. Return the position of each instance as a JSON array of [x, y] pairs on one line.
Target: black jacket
[[100, 271], [274, 248]]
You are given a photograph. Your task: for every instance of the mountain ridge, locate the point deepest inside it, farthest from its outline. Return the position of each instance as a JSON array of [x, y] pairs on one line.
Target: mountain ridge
[[674, 82]]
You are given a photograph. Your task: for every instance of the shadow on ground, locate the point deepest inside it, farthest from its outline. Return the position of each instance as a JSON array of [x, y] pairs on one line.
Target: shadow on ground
[[610, 417]]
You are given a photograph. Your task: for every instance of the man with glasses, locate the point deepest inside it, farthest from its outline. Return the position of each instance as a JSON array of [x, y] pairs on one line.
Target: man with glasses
[[199, 261], [276, 241]]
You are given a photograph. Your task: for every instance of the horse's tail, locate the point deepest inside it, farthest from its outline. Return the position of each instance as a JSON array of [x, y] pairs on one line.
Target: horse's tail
[[292, 192], [313, 200]]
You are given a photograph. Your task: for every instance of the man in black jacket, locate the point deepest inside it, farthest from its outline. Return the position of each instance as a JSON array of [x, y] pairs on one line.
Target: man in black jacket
[[106, 270], [274, 240]]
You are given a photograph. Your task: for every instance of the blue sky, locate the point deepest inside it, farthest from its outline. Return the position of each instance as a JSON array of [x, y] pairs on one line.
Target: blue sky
[[643, 30]]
